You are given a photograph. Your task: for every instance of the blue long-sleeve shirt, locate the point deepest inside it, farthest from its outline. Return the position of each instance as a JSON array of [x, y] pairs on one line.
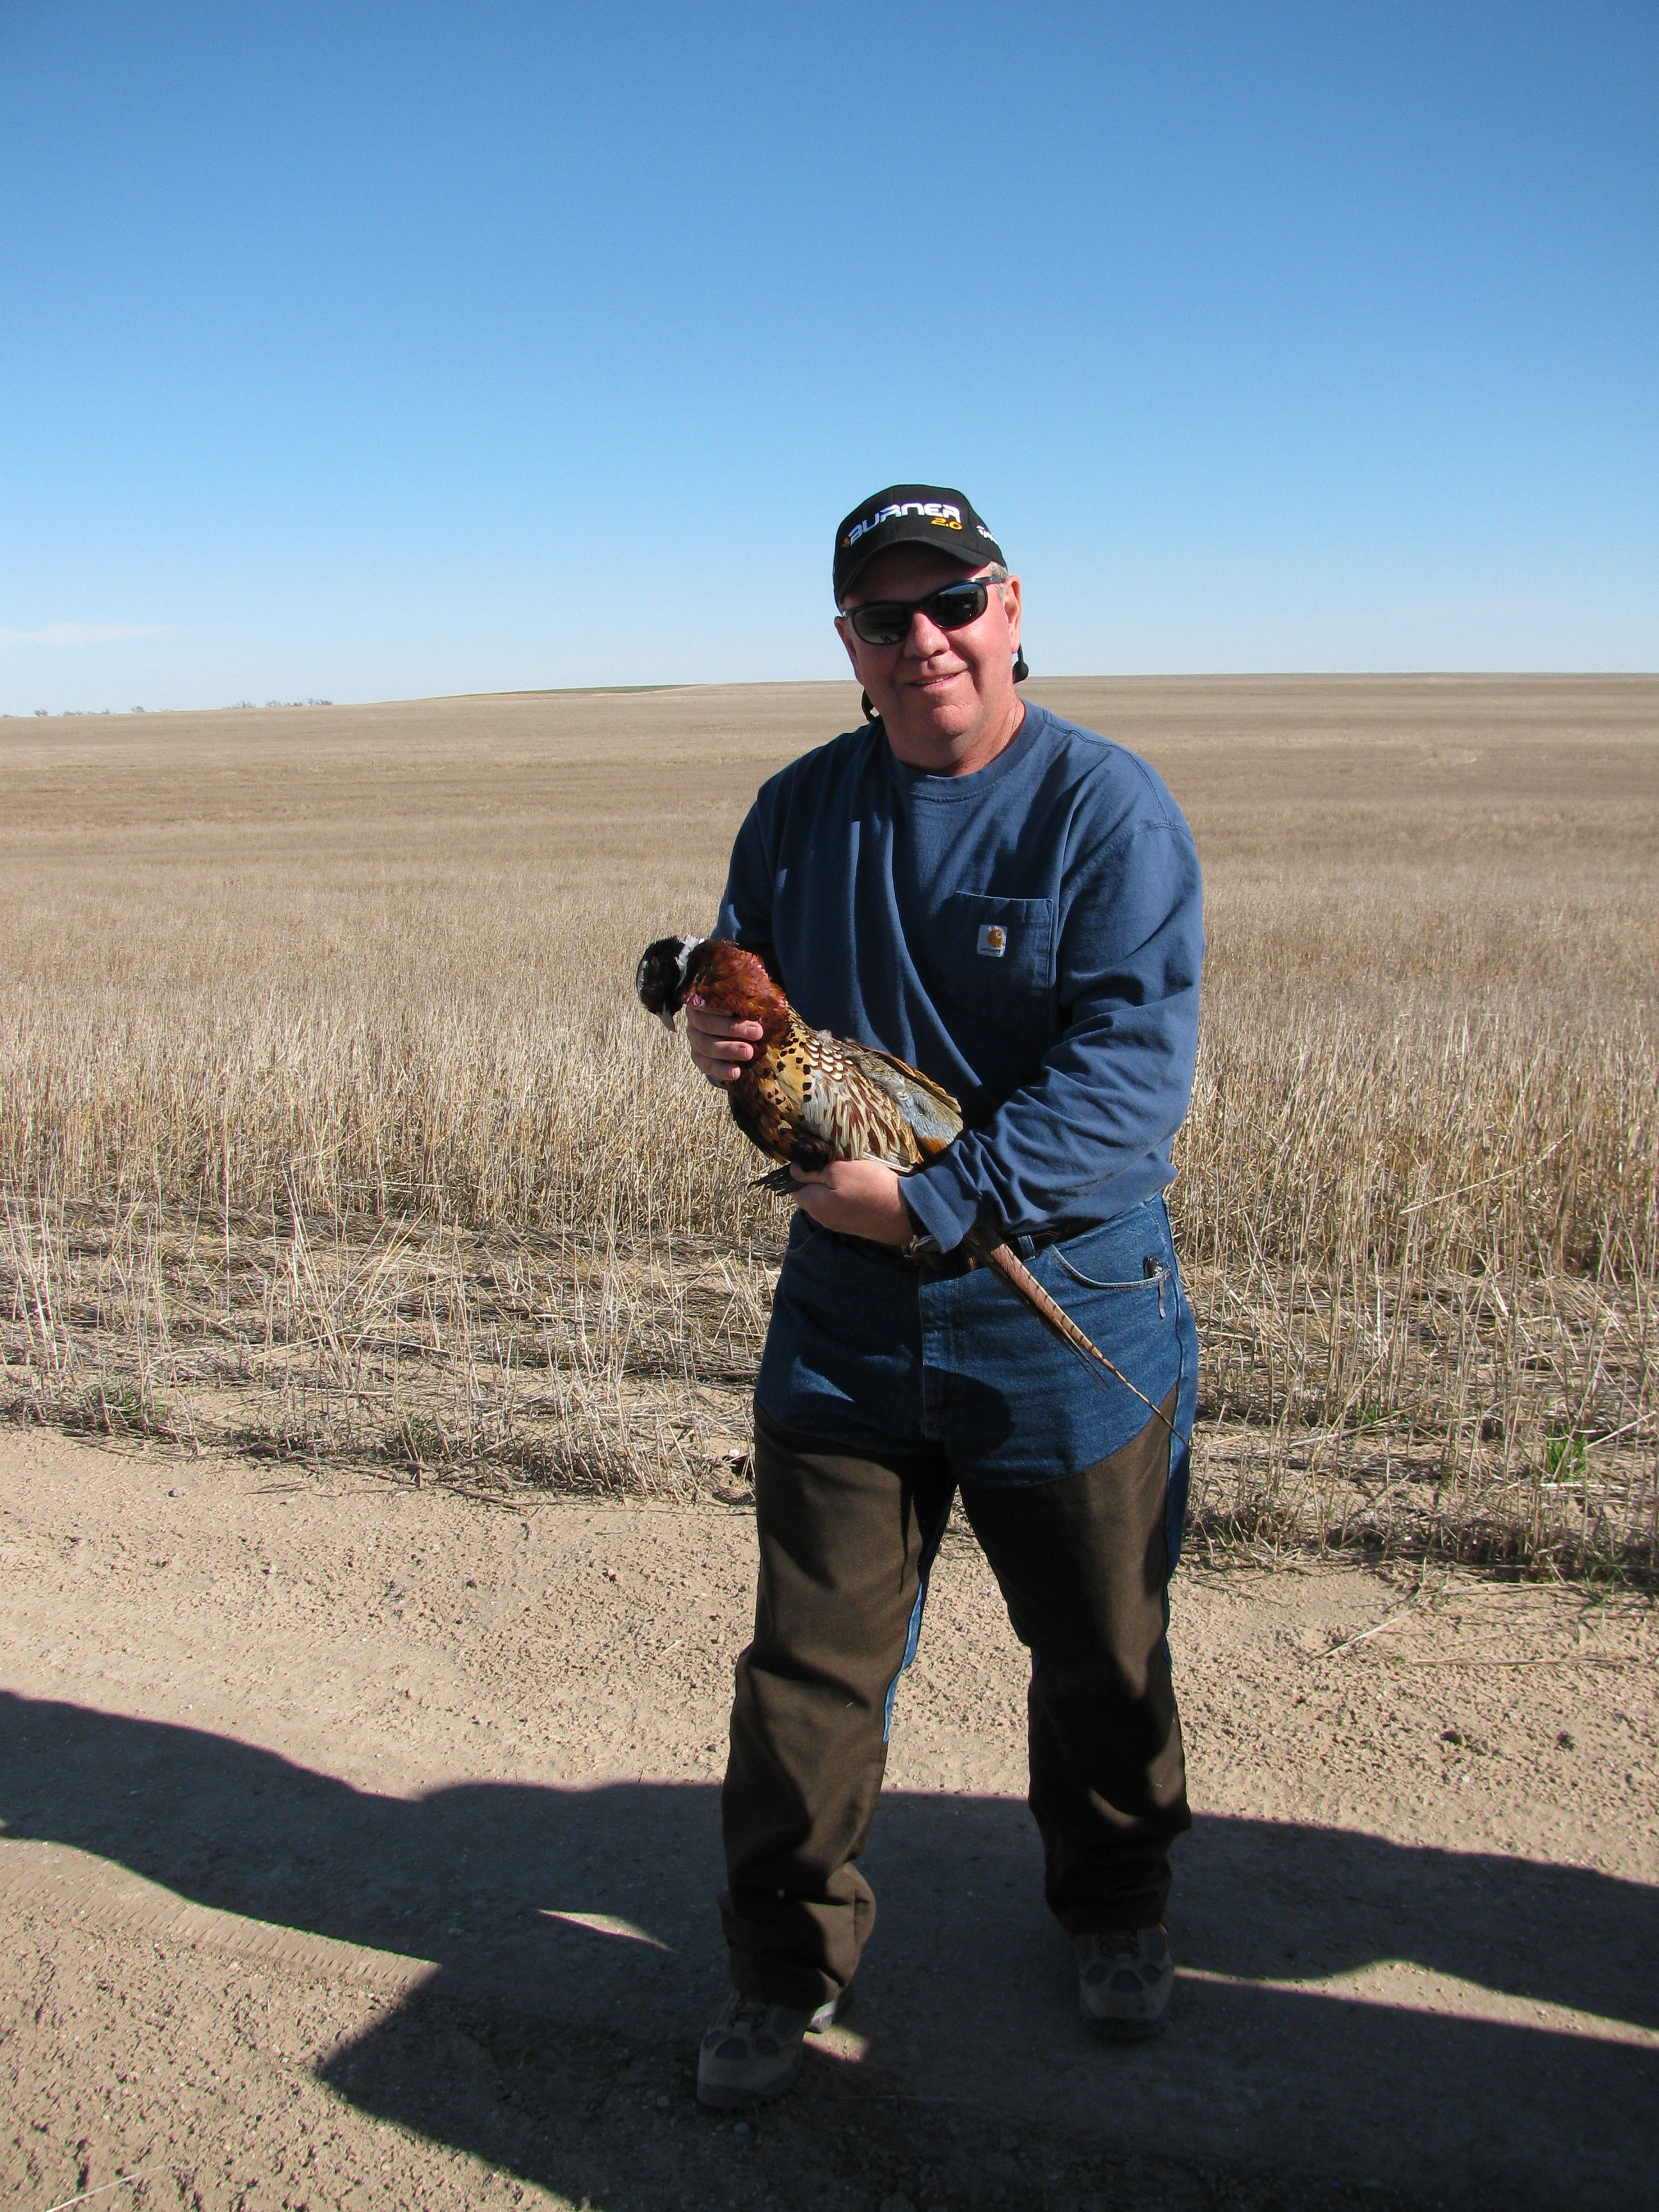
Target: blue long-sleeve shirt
[[1029, 936]]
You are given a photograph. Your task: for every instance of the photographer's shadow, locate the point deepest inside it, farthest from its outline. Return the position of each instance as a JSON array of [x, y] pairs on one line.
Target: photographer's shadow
[[575, 1952]]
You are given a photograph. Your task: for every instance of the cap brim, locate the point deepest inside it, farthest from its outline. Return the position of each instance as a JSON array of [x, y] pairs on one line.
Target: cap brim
[[913, 531]]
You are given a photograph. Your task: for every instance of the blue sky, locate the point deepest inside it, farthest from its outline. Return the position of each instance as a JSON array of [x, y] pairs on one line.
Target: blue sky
[[365, 352]]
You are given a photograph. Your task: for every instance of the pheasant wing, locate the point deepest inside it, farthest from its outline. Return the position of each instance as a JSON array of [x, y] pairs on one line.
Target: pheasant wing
[[867, 1102], [932, 1115], [813, 1098]]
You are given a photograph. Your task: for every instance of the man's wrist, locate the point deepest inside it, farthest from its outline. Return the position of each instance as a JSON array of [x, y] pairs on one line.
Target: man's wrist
[[920, 1242], [933, 1203]]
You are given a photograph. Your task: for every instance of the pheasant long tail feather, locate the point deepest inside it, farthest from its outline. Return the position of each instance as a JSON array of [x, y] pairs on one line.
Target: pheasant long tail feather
[[1025, 1284]]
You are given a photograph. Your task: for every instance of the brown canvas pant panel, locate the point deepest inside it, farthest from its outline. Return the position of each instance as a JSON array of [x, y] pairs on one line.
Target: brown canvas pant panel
[[1083, 1566], [841, 1543], [844, 1542]]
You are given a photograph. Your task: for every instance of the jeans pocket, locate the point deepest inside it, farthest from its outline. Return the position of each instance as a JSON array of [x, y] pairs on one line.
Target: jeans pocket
[[1154, 1276], [1130, 1252]]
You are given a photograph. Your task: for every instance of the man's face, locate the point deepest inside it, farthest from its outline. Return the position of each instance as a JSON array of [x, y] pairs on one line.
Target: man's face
[[944, 696]]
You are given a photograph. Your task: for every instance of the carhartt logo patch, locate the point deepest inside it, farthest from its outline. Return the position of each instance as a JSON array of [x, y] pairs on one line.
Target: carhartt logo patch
[[993, 940]]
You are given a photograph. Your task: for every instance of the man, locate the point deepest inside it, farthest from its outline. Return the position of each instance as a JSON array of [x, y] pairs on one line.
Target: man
[[1011, 904]]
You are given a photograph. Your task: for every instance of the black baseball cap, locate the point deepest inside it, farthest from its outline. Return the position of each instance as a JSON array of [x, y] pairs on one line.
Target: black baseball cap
[[911, 514]]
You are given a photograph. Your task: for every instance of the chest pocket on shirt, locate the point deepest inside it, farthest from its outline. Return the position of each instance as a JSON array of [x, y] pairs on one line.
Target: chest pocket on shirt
[[998, 955]]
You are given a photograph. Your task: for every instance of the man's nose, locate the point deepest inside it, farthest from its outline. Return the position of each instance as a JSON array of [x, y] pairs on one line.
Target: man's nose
[[926, 638]]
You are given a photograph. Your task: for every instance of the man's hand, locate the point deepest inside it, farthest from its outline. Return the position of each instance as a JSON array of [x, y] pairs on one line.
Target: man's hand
[[859, 1198], [720, 1044]]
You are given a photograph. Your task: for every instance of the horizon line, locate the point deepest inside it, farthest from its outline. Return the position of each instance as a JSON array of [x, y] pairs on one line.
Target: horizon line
[[848, 682]]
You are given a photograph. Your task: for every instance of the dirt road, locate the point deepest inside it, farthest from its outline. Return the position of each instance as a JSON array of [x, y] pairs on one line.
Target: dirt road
[[359, 1845]]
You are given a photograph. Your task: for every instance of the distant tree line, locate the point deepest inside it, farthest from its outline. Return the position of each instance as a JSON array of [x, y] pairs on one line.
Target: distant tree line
[[234, 705]]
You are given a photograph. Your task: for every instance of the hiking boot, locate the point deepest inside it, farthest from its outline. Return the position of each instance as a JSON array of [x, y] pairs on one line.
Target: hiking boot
[[1124, 1979], [752, 2050]]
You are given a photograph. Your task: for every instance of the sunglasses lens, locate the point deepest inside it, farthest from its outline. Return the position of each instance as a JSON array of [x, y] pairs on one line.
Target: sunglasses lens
[[887, 621], [882, 622], [956, 606]]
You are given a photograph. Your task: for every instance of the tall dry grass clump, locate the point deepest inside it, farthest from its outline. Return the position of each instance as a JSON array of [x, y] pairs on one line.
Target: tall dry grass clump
[[333, 1125]]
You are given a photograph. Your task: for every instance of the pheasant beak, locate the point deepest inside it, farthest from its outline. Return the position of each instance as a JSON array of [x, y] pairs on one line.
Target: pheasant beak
[[666, 1018]]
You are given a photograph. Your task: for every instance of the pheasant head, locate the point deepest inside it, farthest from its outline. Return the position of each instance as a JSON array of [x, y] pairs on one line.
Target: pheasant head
[[659, 978], [710, 971]]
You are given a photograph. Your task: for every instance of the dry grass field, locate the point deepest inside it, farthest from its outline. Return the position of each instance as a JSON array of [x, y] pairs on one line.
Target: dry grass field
[[329, 1125]]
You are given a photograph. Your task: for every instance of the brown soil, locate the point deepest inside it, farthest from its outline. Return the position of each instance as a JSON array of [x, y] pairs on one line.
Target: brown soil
[[360, 1846]]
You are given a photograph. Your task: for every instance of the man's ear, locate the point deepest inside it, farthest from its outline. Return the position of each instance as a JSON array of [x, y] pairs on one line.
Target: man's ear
[[844, 632], [1012, 608]]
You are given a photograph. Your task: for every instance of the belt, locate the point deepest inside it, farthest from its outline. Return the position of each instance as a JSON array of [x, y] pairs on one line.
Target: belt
[[925, 1254]]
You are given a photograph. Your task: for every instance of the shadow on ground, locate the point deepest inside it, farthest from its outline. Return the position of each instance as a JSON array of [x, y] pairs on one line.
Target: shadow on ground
[[563, 2051]]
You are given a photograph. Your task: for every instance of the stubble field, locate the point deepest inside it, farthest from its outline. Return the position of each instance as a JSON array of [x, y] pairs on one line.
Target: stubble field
[[329, 1127]]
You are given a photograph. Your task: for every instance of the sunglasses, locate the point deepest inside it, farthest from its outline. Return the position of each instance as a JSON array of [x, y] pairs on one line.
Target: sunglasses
[[953, 606]]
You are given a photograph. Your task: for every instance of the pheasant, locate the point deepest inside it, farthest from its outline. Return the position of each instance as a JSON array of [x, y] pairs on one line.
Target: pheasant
[[807, 1098]]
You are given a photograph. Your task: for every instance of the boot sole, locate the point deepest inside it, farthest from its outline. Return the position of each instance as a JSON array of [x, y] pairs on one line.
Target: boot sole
[[722, 2097], [1124, 2031]]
